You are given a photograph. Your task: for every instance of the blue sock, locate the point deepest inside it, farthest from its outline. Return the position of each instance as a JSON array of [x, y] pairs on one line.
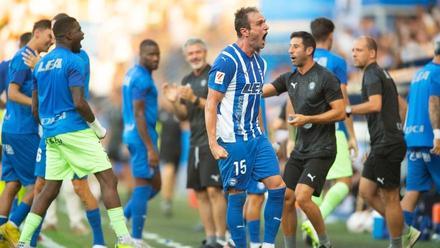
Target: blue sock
[[409, 217], [128, 208], [13, 206], [234, 218], [254, 230], [272, 214], [153, 194], [94, 218], [3, 220], [139, 209], [34, 239], [20, 213]]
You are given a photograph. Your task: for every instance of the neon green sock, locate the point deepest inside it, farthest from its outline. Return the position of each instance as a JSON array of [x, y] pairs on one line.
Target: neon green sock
[[30, 225], [333, 198], [318, 199], [117, 221]]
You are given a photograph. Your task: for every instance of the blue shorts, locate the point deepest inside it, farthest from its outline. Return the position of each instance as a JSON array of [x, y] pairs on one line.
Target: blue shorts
[[423, 170], [253, 159], [256, 188], [139, 161], [40, 161], [18, 157]]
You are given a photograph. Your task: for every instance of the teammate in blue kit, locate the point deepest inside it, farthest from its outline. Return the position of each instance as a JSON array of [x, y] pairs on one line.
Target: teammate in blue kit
[[4, 66], [422, 134], [139, 112], [71, 130], [80, 185], [234, 134], [20, 134]]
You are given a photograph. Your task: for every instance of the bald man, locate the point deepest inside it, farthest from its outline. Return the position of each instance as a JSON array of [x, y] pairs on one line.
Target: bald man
[[382, 106]]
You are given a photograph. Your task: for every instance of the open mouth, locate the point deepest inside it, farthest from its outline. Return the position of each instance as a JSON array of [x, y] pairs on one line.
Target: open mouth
[[264, 37]]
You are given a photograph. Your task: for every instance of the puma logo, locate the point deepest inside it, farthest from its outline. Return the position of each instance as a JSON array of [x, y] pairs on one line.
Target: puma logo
[[276, 218], [311, 177], [240, 226], [381, 180], [215, 177], [294, 84]]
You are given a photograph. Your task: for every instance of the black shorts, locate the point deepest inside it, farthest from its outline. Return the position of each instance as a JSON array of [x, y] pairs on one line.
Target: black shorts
[[383, 165], [202, 169], [171, 144], [311, 171]]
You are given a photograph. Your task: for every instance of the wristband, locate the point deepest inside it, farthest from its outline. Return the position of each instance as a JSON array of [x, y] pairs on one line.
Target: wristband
[[348, 110], [436, 133], [99, 130]]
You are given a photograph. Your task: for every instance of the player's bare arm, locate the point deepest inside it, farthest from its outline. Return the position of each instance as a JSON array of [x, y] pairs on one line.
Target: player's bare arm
[[213, 100], [15, 95], [269, 90], [434, 116], [373, 105], [141, 124]]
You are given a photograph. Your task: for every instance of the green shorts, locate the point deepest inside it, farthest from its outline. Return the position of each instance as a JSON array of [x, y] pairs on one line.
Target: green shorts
[[342, 165], [79, 153]]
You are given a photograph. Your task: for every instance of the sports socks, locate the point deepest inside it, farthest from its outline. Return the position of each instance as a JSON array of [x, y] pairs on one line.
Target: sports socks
[[409, 217], [254, 231], [272, 214], [335, 195], [139, 209], [30, 225], [117, 221], [234, 219], [94, 218], [20, 213]]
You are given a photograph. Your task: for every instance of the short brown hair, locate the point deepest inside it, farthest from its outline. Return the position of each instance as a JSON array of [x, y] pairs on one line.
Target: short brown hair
[[242, 20]]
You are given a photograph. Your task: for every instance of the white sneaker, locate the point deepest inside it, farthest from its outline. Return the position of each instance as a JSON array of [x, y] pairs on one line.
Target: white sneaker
[[99, 246]]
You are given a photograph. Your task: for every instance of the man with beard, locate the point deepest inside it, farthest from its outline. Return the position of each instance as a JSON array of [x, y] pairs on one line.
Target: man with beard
[[232, 108], [20, 134], [203, 174], [317, 102], [71, 130], [380, 182], [139, 112]]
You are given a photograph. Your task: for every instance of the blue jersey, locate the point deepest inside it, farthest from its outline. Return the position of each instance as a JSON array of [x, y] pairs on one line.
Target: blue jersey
[[83, 55], [241, 79], [18, 117], [139, 85], [54, 74], [337, 66], [425, 83], [4, 67]]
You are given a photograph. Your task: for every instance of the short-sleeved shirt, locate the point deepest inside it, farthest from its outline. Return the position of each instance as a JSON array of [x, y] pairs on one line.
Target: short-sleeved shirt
[[338, 66], [18, 117], [311, 94], [54, 75], [4, 67], [385, 127], [196, 115], [83, 55], [418, 128], [240, 77], [139, 85]]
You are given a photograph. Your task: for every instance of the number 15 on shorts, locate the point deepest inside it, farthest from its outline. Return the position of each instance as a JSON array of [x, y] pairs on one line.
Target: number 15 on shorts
[[240, 167]]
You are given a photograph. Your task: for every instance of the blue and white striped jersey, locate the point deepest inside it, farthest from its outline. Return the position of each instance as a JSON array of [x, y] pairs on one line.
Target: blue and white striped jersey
[[241, 79]]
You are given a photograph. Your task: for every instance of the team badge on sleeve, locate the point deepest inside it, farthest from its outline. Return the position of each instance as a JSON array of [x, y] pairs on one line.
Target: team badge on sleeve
[[219, 77]]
